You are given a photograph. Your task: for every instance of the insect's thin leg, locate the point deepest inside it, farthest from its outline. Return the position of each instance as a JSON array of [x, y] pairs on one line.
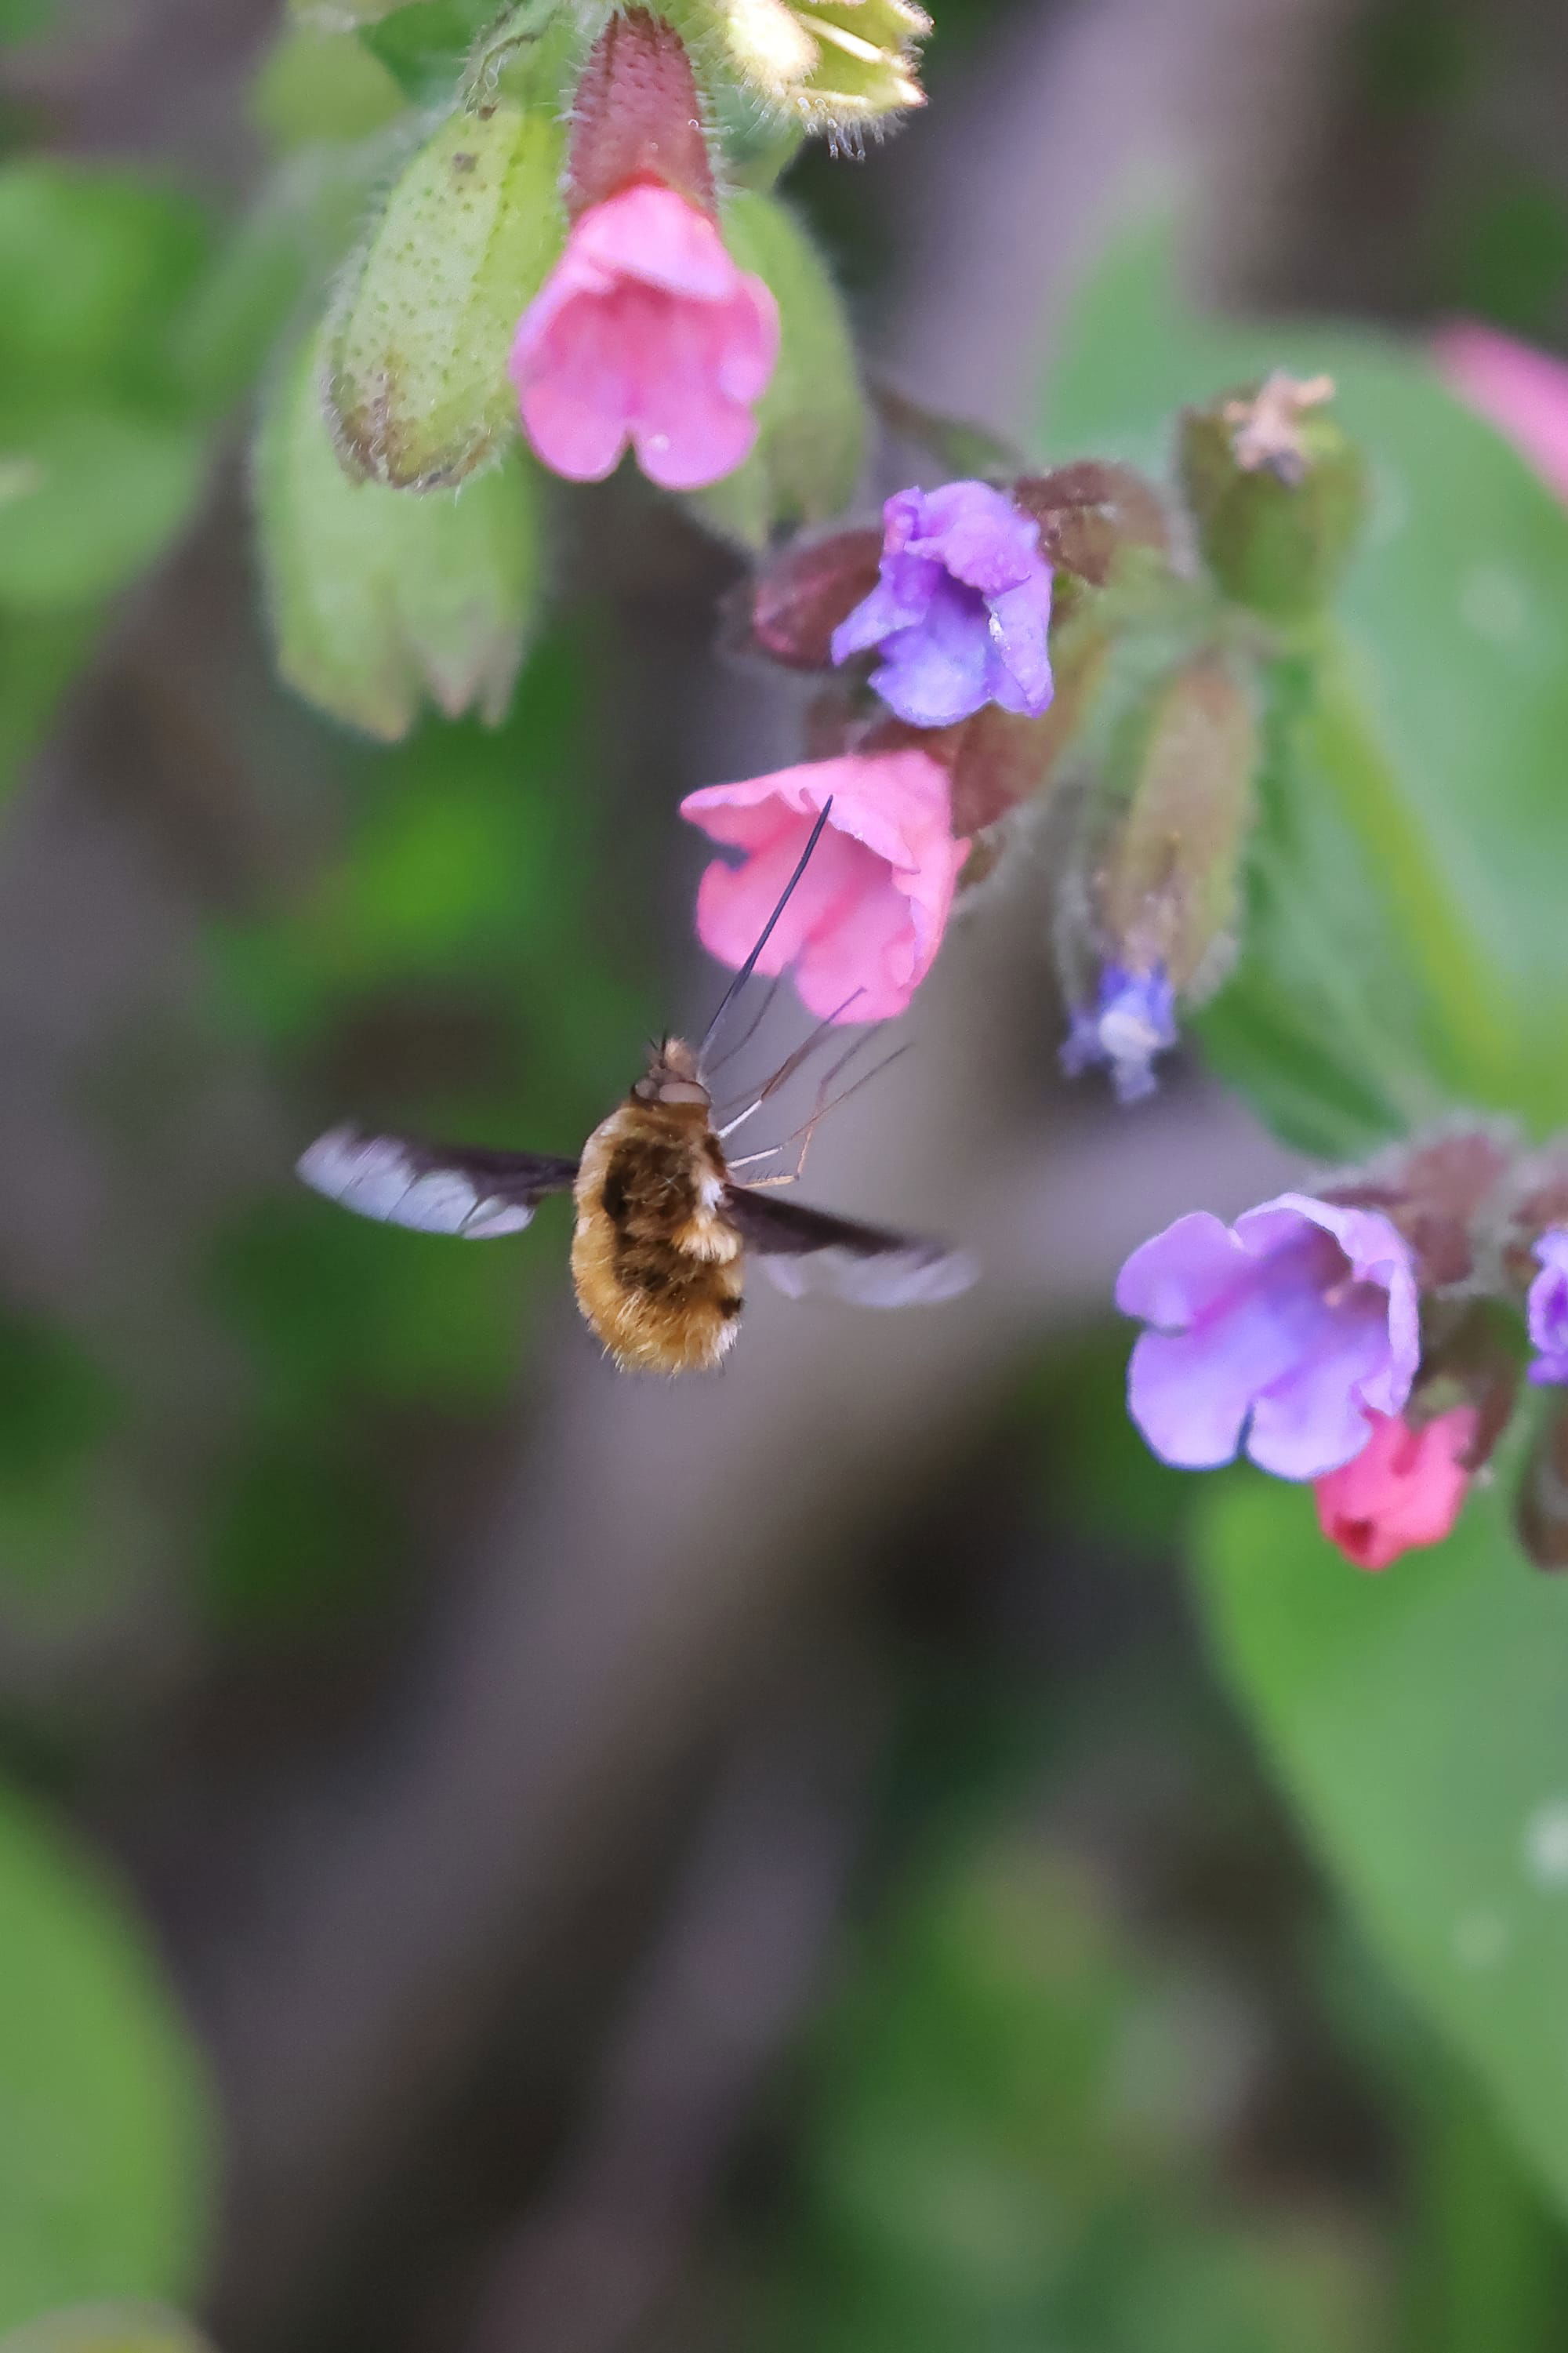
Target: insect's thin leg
[[863, 1081], [822, 1106], [790, 1065], [747, 1159], [751, 1028], [806, 1133]]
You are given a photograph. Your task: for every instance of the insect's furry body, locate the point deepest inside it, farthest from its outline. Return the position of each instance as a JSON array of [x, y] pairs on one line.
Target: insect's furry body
[[658, 1267], [663, 1230]]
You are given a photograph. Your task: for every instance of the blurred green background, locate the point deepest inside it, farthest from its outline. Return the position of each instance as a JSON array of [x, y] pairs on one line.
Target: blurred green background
[[852, 1856]]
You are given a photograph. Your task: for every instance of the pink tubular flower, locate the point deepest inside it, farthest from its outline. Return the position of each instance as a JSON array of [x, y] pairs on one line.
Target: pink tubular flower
[[1403, 1488], [1522, 392], [1279, 1332], [867, 918], [645, 331]]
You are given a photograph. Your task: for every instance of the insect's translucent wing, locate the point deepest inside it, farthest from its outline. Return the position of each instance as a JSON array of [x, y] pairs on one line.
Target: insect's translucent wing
[[434, 1189], [807, 1251]]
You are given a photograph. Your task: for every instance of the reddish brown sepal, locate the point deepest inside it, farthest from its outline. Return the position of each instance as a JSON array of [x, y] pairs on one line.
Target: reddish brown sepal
[[1543, 1204], [1540, 1511], [800, 595], [1437, 1196], [636, 116], [1088, 512], [1471, 1358], [998, 759]]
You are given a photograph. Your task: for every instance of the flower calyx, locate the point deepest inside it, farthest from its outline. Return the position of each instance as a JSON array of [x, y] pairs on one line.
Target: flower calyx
[[1150, 903], [1278, 493], [1446, 1194], [839, 66], [636, 115]]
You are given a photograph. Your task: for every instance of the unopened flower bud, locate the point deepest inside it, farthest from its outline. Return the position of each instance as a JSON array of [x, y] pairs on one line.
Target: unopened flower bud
[[378, 599], [1470, 1358], [800, 595], [832, 65], [1154, 916], [1278, 491], [1125, 1027], [1540, 1510], [1404, 1490], [1443, 1193], [811, 417], [1091, 514], [636, 115], [418, 392]]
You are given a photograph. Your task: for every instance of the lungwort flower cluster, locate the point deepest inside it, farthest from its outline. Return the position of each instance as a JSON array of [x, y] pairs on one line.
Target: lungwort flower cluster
[[957, 620], [1037, 639], [1367, 1339], [578, 257]]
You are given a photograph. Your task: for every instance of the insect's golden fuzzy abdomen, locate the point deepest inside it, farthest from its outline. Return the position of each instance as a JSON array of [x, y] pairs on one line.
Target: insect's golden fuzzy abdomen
[[657, 1267]]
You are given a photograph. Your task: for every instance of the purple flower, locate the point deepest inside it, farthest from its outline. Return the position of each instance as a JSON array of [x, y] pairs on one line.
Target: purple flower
[[1548, 1308], [961, 610], [1288, 1327], [1134, 1019]]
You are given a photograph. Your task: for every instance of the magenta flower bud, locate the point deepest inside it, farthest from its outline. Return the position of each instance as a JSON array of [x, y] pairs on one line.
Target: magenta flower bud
[[962, 609], [1404, 1488], [644, 332], [1277, 1335], [865, 919], [1131, 1020], [1547, 1309]]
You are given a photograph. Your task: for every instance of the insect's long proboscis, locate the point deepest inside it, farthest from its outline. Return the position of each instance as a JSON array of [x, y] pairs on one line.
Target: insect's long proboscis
[[749, 967]]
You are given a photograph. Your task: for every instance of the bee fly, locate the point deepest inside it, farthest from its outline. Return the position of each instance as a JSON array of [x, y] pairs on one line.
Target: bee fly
[[663, 1229]]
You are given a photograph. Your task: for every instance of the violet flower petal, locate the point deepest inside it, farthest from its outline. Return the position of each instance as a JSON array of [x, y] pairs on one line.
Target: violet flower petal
[[1547, 1309]]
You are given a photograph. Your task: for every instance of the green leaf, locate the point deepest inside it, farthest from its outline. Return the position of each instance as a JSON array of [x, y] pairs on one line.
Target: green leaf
[[94, 269], [107, 2329], [1431, 728], [104, 494], [1419, 1720], [424, 46], [321, 84], [104, 2132]]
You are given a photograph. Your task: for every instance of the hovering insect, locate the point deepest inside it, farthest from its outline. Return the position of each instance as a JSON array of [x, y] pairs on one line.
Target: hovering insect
[[663, 1229]]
